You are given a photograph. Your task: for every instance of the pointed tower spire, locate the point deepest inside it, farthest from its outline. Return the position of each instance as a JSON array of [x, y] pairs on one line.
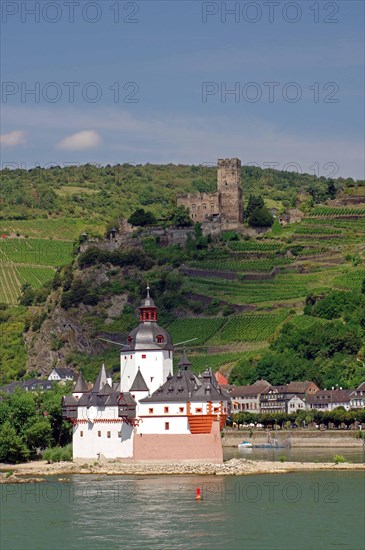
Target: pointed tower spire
[[101, 380], [184, 361], [80, 386]]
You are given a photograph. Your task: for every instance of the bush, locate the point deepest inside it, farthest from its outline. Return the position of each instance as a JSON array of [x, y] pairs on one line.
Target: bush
[[339, 459], [58, 454]]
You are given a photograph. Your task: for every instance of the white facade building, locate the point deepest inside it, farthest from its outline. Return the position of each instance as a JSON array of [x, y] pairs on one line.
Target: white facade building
[[152, 414]]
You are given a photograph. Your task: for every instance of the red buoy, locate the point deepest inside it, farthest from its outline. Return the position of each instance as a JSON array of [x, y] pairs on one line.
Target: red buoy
[[198, 495]]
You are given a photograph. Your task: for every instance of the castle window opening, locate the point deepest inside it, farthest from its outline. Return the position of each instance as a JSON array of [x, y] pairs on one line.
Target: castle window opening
[[181, 409], [150, 411], [167, 425], [81, 434], [108, 434], [166, 410], [99, 434], [198, 410]]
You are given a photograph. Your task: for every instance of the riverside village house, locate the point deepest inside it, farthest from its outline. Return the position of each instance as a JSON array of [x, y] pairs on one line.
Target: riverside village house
[[152, 414]]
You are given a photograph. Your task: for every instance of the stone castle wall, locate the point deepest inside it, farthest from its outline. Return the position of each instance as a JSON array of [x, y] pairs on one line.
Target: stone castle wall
[[200, 205], [225, 204]]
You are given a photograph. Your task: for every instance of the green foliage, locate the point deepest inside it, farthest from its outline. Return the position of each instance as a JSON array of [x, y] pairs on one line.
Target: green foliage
[[322, 352], [339, 459], [254, 202], [180, 217], [12, 447], [142, 218], [338, 304], [261, 217], [58, 454], [30, 422]]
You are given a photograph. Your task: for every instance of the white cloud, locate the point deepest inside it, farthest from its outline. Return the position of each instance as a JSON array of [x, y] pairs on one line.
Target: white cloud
[[86, 139], [163, 138], [17, 137]]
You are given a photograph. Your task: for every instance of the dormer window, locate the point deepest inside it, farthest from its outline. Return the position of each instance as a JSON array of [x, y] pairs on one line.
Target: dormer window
[[159, 339]]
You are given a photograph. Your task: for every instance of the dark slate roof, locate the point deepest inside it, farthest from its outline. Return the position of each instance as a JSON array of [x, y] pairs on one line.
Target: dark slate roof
[[80, 386], [101, 395], [186, 386], [100, 381], [361, 387], [139, 383], [145, 336], [330, 396], [253, 390], [64, 372]]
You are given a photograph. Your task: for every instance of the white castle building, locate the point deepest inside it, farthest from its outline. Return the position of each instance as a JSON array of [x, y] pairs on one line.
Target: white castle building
[[152, 415]]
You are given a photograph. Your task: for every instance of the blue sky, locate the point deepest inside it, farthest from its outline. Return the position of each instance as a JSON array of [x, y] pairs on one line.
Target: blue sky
[[148, 81]]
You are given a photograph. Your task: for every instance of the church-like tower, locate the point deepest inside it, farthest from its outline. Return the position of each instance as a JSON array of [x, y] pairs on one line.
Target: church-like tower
[[149, 349], [230, 190]]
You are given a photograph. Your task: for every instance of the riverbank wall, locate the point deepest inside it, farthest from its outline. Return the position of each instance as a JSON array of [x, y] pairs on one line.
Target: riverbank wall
[[298, 438]]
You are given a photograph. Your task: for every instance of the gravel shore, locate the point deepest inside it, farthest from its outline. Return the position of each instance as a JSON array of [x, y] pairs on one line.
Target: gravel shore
[[36, 471]]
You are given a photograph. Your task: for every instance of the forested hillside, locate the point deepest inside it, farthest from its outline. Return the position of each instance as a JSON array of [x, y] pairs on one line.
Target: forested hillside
[[281, 304]]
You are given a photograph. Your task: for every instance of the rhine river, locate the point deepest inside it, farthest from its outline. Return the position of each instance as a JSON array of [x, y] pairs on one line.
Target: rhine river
[[306, 511]]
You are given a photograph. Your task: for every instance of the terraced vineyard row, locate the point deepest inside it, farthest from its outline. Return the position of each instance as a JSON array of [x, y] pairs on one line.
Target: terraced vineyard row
[[13, 276], [249, 328], [255, 246], [35, 276], [337, 211], [36, 251], [306, 321], [265, 264], [354, 224], [61, 228], [9, 284], [313, 251], [200, 362], [285, 286], [185, 329], [351, 280], [317, 231]]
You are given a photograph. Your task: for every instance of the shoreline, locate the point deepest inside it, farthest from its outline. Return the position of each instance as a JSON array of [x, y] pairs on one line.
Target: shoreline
[[37, 471]]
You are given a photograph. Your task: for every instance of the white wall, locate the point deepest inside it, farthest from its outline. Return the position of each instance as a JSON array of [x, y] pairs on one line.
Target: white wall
[[90, 446], [154, 423], [154, 368], [120, 443]]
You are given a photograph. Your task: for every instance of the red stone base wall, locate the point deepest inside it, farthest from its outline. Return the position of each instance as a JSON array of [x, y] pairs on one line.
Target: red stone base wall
[[204, 448]]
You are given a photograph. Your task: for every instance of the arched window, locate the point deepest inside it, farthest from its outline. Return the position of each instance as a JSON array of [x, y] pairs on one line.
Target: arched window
[[193, 206], [159, 338], [204, 206]]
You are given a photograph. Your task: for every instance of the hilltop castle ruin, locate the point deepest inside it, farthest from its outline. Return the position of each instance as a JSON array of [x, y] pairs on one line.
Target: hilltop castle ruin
[[224, 206]]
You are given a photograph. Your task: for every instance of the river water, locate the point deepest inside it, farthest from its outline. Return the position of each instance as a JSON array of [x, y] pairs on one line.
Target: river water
[[301, 511]]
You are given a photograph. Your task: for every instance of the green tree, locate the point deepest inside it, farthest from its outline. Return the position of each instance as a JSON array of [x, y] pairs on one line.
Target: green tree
[[180, 217], [261, 217], [140, 217], [253, 203], [12, 447]]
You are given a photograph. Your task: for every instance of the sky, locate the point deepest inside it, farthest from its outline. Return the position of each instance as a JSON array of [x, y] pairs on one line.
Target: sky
[[274, 83]]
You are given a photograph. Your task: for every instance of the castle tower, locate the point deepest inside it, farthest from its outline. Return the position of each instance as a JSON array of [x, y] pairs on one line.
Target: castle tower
[[149, 349], [229, 187]]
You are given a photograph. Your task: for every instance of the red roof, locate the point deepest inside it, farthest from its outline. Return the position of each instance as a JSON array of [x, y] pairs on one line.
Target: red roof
[[221, 379]]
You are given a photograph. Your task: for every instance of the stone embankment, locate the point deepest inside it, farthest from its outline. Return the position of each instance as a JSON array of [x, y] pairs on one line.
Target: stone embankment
[[36, 471], [298, 438]]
